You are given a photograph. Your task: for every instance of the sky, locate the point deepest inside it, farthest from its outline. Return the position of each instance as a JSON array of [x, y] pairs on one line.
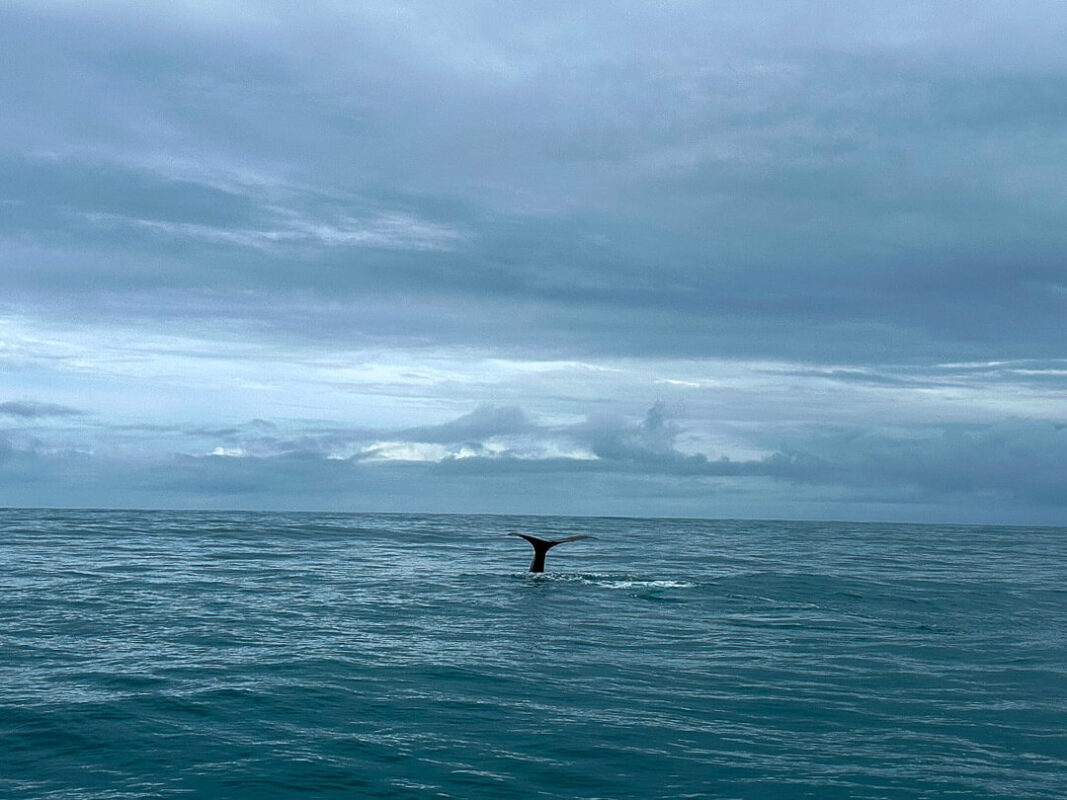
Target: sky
[[756, 260]]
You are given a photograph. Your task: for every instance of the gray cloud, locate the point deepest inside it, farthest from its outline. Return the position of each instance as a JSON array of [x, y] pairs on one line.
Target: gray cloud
[[29, 409], [853, 189], [484, 422], [1016, 461], [1005, 472], [1019, 461], [1008, 466]]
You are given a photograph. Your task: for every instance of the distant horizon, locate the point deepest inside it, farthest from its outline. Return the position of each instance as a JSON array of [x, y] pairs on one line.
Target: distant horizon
[[335, 512]]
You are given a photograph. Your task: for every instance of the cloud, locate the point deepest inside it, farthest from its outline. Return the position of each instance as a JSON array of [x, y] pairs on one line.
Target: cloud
[[498, 459], [688, 180], [28, 409], [1017, 461], [1020, 460], [484, 422]]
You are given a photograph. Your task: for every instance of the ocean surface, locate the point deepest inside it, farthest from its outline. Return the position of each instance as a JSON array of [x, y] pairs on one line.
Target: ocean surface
[[265, 655]]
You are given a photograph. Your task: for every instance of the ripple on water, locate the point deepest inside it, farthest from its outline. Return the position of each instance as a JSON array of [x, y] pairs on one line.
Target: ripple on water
[[161, 654]]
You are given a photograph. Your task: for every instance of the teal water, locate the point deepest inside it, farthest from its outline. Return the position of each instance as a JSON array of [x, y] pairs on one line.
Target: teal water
[[228, 655]]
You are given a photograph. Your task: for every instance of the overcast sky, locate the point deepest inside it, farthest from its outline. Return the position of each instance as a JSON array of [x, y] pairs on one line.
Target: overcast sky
[[731, 259]]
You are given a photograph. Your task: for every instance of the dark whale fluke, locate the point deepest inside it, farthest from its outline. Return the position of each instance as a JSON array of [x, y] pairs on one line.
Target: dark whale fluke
[[541, 546]]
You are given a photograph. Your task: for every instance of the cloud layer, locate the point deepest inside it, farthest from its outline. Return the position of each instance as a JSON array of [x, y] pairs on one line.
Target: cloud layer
[[481, 239], [497, 459]]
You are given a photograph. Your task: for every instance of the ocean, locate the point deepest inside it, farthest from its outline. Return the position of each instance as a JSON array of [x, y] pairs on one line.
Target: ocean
[[275, 655]]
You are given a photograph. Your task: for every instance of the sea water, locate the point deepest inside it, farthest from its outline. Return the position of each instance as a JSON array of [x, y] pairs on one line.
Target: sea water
[[263, 655]]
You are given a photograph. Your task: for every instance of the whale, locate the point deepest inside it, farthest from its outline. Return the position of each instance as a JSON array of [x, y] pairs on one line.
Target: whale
[[542, 546]]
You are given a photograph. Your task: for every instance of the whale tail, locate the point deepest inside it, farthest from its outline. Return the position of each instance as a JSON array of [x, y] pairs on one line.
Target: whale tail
[[542, 546]]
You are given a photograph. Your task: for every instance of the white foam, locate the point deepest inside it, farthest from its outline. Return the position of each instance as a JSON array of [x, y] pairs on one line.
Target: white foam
[[637, 584]]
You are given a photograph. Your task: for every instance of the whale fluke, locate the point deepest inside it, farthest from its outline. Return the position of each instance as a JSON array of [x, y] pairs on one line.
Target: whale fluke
[[542, 546]]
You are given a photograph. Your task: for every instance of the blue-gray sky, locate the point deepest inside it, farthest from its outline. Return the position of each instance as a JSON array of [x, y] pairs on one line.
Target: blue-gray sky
[[780, 259]]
